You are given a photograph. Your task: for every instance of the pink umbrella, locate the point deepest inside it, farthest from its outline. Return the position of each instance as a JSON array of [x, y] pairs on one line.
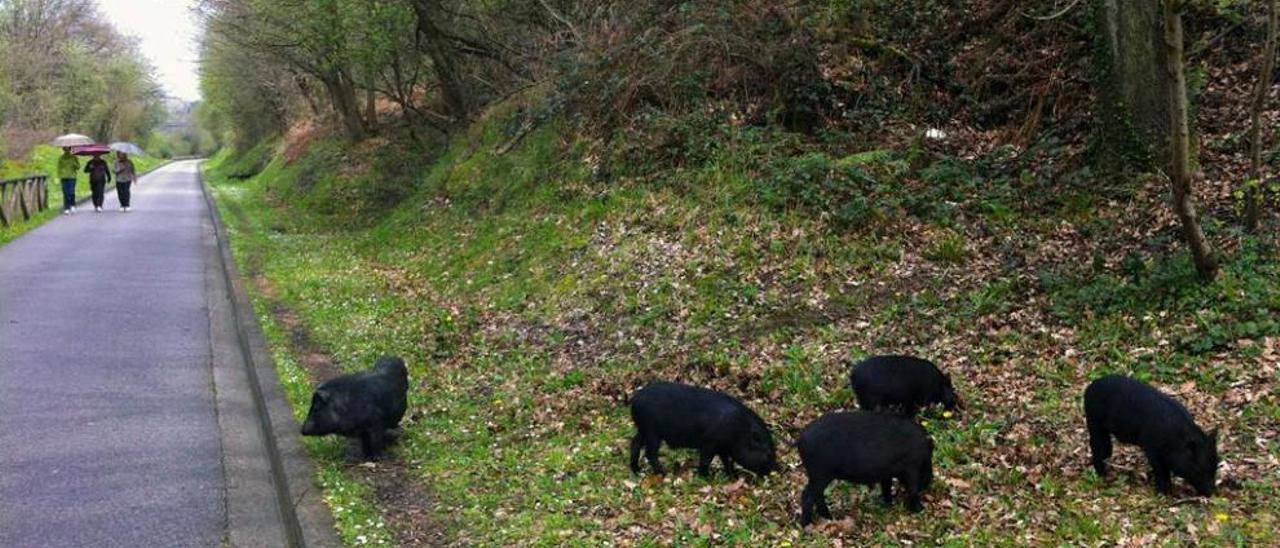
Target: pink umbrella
[[92, 150]]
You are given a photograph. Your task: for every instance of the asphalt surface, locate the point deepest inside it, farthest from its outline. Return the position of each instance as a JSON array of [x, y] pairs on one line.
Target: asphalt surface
[[108, 429]]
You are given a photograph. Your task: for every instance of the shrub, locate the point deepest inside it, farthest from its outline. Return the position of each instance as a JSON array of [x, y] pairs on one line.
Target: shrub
[[753, 60]]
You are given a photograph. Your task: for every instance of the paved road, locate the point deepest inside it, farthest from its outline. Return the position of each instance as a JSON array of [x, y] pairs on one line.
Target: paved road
[[108, 429]]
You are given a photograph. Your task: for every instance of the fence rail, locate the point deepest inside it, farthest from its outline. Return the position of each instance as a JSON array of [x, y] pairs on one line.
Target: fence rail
[[21, 199]]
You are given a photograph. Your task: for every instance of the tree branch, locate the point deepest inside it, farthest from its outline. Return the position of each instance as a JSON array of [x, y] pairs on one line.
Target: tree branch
[[1064, 11]]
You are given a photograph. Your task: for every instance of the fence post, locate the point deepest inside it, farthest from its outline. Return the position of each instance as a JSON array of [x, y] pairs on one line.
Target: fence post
[[4, 204], [26, 197]]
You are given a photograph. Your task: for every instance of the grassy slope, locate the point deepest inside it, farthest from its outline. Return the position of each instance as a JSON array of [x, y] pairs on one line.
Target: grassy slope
[[44, 160], [530, 299]]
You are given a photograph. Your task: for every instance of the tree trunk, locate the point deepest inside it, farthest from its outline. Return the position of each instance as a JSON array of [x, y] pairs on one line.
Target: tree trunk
[[1253, 187], [343, 95], [304, 89], [371, 111], [1133, 123], [436, 46], [1180, 145]]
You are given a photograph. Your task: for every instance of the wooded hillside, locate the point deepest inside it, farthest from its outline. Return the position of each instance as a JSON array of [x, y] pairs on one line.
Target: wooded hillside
[[544, 205]]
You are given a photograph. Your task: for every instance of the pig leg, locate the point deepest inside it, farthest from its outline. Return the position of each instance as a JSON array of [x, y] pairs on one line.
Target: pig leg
[[727, 461], [371, 443], [886, 492], [705, 455], [651, 444], [814, 497], [911, 484], [1099, 447], [636, 442], [822, 505], [1159, 473]]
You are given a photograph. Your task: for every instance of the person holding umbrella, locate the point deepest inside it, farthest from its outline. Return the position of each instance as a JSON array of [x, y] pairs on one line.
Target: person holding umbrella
[[125, 175], [68, 168], [99, 176]]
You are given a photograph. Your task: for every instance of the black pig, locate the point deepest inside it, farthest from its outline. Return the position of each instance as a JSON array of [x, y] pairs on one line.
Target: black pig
[[712, 422], [1138, 414], [865, 448], [901, 382], [361, 405]]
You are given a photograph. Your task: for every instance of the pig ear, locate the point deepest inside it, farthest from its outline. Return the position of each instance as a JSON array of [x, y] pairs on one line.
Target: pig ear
[[323, 395]]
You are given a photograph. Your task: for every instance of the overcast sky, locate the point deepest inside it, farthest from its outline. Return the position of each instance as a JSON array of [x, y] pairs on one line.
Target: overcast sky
[[166, 33]]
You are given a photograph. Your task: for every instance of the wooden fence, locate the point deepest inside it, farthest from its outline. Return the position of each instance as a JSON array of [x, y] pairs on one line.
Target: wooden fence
[[21, 199]]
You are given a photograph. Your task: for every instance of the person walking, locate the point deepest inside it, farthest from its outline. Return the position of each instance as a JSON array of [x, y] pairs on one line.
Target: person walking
[[99, 175], [68, 169], [125, 175]]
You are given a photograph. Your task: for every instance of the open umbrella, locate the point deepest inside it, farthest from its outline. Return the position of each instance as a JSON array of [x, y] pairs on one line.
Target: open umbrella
[[128, 148], [72, 140], [91, 150]]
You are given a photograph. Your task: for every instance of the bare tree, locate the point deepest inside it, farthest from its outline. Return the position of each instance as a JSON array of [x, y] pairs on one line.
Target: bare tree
[[1253, 210], [1180, 144]]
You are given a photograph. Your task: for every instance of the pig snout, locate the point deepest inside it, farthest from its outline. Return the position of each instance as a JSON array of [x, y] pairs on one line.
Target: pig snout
[[309, 427]]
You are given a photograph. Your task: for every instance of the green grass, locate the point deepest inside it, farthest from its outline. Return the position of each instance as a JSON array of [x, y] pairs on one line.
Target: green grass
[[44, 161], [529, 298]]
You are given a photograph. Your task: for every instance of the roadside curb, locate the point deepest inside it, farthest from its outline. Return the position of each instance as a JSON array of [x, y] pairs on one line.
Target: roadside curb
[[251, 401]]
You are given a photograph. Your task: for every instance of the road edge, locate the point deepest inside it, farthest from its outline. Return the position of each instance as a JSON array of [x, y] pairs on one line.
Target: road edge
[[304, 519]]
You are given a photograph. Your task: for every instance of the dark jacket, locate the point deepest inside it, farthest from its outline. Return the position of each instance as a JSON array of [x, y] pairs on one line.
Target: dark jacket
[[98, 170]]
